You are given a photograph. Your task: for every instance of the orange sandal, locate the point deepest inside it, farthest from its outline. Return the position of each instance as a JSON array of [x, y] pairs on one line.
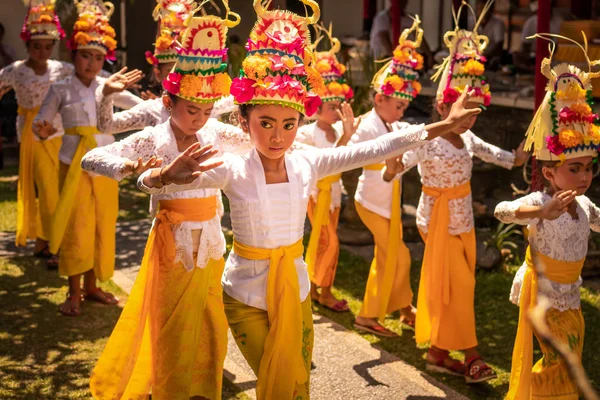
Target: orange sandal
[[456, 368], [478, 373]]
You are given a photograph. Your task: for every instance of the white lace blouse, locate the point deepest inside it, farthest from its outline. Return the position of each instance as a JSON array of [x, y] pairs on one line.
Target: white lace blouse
[[563, 239], [442, 165], [76, 104], [312, 135], [242, 179], [31, 89], [142, 115]]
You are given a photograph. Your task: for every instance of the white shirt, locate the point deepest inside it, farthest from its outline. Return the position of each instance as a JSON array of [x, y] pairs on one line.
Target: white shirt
[[76, 104], [312, 135], [563, 239], [442, 165], [372, 192], [253, 217], [31, 89]]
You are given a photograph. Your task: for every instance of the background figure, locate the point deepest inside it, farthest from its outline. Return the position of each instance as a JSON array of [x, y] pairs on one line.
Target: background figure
[[7, 53], [492, 27]]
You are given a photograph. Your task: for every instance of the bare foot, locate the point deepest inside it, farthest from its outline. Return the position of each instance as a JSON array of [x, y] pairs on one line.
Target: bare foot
[[408, 315], [327, 300], [100, 296], [371, 325], [314, 292], [72, 306]]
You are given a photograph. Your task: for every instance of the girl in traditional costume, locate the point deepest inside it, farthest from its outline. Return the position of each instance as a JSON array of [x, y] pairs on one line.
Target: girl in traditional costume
[[265, 281], [38, 161], [446, 313], [564, 136], [377, 199], [171, 338], [334, 126], [84, 220]]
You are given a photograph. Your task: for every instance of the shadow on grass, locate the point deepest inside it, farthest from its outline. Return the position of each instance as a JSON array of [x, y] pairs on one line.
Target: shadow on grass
[[46, 355]]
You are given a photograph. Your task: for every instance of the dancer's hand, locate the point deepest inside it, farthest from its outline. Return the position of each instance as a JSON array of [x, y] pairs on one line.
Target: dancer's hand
[[148, 95], [393, 166], [139, 167], [189, 165], [459, 111], [521, 156], [558, 205], [43, 129], [349, 123], [121, 81]]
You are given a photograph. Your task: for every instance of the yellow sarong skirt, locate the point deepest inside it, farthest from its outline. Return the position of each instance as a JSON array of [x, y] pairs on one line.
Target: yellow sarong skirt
[[171, 338], [250, 328], [89, 240], [45, 175], [401, 294], [328, 249], [549, 378]]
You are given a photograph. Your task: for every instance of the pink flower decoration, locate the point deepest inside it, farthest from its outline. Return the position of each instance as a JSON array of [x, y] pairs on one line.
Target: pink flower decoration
[[450, 95], [111, 55], [312, 102], [150, 58], [592, 118], [171, 84], [554, 145], [566, 115], [242, 89], [387, 89], [487, 99], [350, 94]]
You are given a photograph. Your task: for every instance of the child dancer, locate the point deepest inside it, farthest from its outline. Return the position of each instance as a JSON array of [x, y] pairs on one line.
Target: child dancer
[[378, 201], [326, 198], [171, 338], [38, 161], [265, 281], [88, 246], [446, 317], [564, 136]]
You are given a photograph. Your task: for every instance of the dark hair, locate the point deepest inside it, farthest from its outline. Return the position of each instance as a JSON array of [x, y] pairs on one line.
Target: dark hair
[[2, 29], [173, 97], [541, 164]]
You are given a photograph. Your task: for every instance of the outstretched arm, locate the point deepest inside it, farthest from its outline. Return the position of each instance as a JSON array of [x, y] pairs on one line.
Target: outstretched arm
[[532, 207]]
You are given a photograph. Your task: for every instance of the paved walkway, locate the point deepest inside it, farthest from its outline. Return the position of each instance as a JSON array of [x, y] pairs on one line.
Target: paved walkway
[[346, 365]]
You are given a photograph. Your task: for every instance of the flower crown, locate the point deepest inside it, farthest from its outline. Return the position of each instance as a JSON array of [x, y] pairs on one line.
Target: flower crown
[[41, 21], [278, 68], [92, 29], [200, 73], [171, 15], [464, 66], [332, 71], [399, 77], [564, 125]]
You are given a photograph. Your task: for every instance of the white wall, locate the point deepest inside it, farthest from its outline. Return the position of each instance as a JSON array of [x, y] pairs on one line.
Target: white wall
[[12, 15]]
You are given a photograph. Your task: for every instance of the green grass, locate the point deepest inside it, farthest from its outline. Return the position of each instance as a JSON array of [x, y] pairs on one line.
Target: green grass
[[8, 199]]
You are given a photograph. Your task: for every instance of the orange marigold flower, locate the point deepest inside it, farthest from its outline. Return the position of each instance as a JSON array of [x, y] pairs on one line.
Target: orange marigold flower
[[315, 80], [323, 66], [583, 109], [345, 88], [109, 31], [82, 25], [163, 42], [400, 56], [594, 134], [221, 84], [255, 67], [82, 38], [396, 82], [417, 86], [342, 68], [191, 85], [419, 59], [474, 67], [45, 19], [335, 88], [109, 42], [570, 137]]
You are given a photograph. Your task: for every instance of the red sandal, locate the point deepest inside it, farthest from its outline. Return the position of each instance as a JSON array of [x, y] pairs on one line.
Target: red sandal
[[439, 365], [478, 373]]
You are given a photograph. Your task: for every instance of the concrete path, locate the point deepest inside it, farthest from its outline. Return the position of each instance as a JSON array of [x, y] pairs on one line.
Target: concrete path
[[346, 365]]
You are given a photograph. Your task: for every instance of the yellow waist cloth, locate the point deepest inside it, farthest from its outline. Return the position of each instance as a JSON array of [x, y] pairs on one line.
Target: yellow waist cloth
[[26, 205], [393, 239], [562, 272], [321, 218], [114, 376], [62, 213], [282, 365], [435, 259]]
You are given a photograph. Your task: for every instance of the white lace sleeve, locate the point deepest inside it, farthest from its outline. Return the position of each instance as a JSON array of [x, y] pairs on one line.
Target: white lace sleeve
[[64, 70], [593, 213], [49, 107], [110, 160], [126, 100], [305, 136], [506, 210], [232, 139], [413, 157], [7, 76], [488, 152], [136, 118]]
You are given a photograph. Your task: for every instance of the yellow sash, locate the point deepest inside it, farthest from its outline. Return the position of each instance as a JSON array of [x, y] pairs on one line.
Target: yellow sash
[[62, 212], [320, 219], [435, 259], [281, 366], [131, 344], [522, 360], [26, 205], [394, 236]]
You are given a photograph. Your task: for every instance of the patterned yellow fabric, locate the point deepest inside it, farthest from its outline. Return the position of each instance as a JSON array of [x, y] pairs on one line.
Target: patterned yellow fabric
[[26, 204], [45, 176], [171, 338], [436, 262], [558, 271], [71, 182], [282, 365], [250, 329], [398, 278], [90, 243], [320, 219]]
